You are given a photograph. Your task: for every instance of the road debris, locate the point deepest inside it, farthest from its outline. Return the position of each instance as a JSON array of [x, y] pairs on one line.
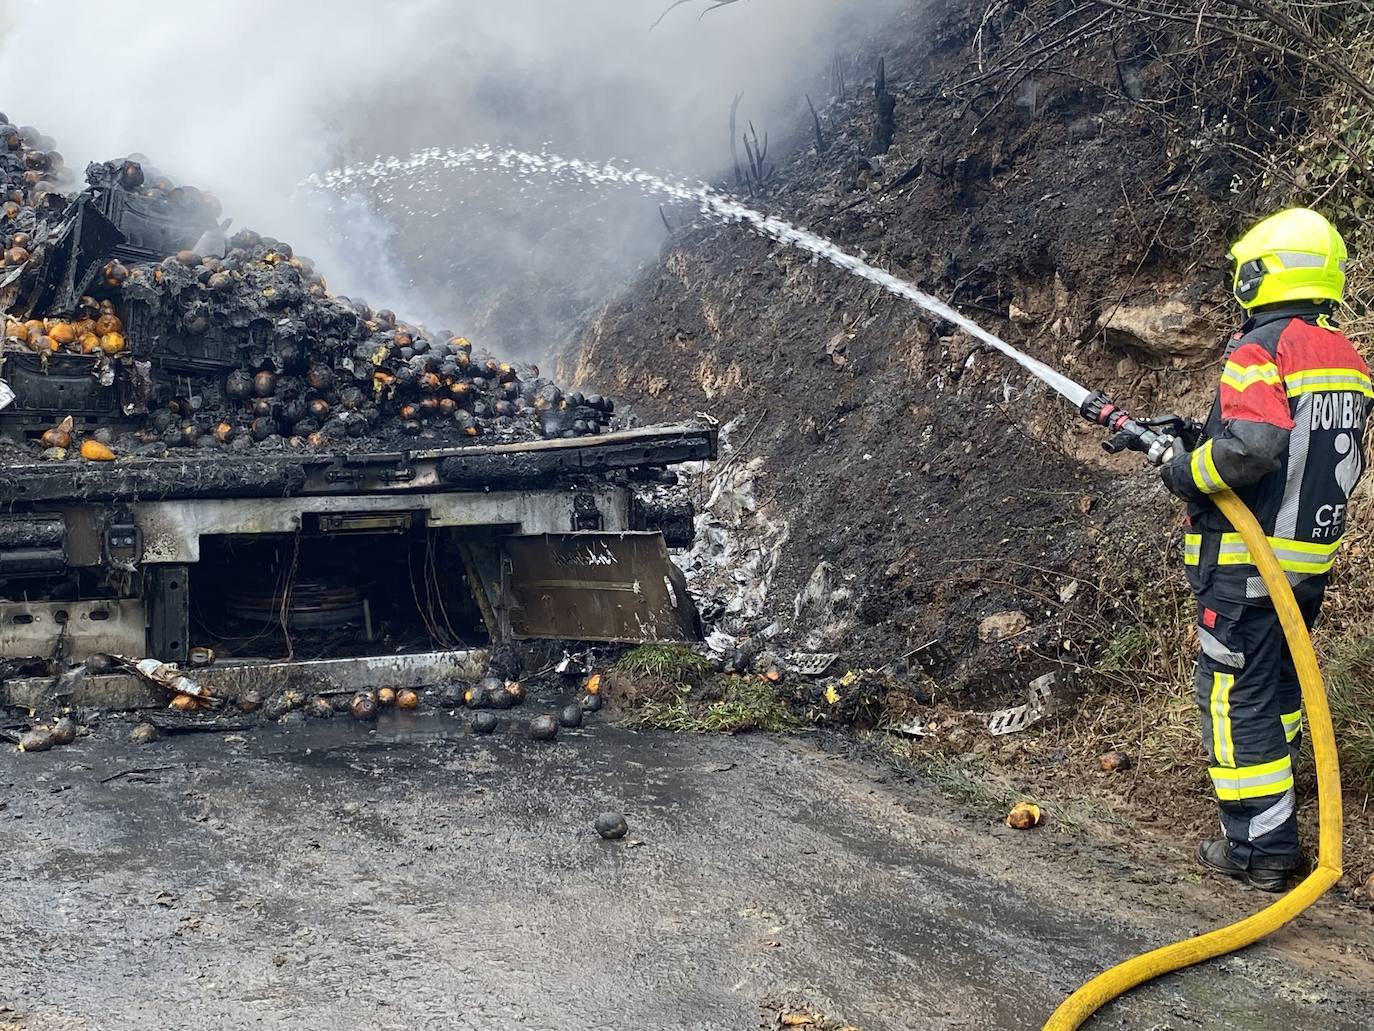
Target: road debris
[[544, 728], [407, 699], [485, 723], [363, 706], [169, 721], [611, 826], [143, 734], [39, 739], [1024, 816], [570, 716], [1114, 761], [64, 731], [137, 772], [165, 676], [1047, 695], [812, 664]]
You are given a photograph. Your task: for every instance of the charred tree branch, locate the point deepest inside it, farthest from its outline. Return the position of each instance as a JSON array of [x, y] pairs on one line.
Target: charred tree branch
[[886, 125], [816, 123], [734, 149]]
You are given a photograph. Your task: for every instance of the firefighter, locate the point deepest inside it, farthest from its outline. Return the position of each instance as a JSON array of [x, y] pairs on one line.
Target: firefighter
[[1286, 434]]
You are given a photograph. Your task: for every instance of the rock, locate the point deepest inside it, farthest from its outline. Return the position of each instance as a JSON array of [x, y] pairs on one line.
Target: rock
[[407, 699], [591, 703], [516, 690], [544, 728], [484, 723], [39, 739], [499, 698], [571, 716], [386, 697], [144, 734], [611, 826], [1001, 625], [1160, 324], [1113, 762], [64, 731]]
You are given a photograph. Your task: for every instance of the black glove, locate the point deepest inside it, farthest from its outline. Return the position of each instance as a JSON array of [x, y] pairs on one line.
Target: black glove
[[1188, 432], [1178, 477]]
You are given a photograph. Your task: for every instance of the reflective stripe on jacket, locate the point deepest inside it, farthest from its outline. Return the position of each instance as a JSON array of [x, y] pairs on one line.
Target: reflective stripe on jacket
[[1286, 433]]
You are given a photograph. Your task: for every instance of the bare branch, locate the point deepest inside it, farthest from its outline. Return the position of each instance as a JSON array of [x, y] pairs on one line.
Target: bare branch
[[816, 121], [734, 150]]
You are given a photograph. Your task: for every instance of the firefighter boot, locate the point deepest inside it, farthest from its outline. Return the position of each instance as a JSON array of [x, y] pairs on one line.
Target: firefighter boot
[[1267, 873]]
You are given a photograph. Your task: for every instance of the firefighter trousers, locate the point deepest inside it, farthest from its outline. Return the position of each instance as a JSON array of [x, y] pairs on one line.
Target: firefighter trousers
[[1251, 703]]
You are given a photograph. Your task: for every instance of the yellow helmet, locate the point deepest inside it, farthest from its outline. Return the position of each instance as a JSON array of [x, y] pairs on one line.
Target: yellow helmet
[[1296, 255]]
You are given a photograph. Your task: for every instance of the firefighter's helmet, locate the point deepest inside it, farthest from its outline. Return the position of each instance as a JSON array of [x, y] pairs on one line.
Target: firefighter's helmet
[[1296, 255]]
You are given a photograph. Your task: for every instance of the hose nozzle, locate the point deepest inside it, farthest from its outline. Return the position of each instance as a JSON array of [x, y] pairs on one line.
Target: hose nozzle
[[1127, 433]]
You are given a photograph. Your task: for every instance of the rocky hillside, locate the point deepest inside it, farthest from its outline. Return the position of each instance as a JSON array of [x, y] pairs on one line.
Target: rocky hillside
[[889, 484]]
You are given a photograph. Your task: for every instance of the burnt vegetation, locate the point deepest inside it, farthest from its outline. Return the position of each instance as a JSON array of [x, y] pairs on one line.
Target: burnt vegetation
[[1043, 165]]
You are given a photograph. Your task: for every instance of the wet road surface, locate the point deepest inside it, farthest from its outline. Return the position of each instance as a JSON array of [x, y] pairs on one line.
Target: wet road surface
[[411, 875]]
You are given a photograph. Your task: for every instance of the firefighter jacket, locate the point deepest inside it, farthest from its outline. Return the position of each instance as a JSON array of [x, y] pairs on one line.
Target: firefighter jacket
[[1286, 434]]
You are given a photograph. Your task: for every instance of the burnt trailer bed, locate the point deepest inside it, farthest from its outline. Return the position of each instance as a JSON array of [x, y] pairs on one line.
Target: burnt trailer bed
[[332, 558]]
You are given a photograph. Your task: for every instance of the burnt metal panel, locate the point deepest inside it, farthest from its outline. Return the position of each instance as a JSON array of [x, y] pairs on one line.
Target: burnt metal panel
[[152, 479], [233, 679], [200, 474], [38, 630], [545, 461], [598, 587], [169, 612], [33, 530]]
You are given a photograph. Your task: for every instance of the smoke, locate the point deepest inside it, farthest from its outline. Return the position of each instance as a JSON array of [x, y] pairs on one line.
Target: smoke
[[247, 99]]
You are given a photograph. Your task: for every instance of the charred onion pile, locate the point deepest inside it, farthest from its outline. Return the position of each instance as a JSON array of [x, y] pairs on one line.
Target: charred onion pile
[[245, 347]]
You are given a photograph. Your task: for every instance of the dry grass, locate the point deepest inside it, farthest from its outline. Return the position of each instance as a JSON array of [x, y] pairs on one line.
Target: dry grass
[[674, 663], [1147, 706], [671, 687], [748, 704]]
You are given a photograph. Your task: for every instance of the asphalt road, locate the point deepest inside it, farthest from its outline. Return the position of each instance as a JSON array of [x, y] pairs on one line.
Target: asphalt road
[[414, 876]]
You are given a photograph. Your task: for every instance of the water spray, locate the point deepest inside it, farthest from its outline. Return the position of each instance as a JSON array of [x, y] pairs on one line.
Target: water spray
[[1157, 439]]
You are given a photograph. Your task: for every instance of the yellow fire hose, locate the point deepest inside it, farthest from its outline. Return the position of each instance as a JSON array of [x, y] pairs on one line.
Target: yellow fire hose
[[1109, 984]]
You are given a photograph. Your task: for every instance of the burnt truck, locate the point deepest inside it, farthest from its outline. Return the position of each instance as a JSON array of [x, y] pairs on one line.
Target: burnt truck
[[240, 481]]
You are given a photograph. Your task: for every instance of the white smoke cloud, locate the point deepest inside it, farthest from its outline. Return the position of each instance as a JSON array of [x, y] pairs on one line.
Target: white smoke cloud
[[246, 99]]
